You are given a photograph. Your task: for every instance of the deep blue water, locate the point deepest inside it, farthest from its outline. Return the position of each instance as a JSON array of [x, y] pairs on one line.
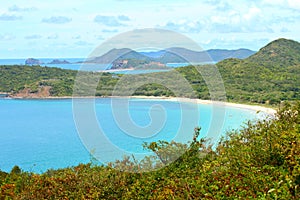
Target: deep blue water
[[73, 66], [41, 134]]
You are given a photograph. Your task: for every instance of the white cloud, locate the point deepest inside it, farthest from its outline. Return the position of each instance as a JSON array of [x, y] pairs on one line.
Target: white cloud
[[274, 2], [253, 12], [112, 21], [236, 43], [246, 21], [294, 4], [123, 18], [8, 17], [184, 26], [83, 43], [52, 37], [99, 37], [57, 20], [76, 37], [7, 37], [33, 37], [16, 8]]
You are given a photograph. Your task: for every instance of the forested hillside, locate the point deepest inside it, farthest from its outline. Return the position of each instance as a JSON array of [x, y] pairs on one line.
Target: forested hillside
[[267, 77]]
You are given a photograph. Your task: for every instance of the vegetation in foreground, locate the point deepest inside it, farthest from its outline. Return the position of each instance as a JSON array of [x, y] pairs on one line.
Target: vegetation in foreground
[[261, 161]]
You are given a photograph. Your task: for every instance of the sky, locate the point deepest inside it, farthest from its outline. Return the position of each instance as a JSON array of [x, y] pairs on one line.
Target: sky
[[74, 28]]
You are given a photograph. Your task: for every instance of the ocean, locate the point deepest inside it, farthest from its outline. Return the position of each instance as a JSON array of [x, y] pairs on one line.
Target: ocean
[[76, 65]]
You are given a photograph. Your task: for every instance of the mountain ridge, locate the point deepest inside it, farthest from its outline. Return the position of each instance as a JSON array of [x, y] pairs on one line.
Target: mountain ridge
[[171, 55]]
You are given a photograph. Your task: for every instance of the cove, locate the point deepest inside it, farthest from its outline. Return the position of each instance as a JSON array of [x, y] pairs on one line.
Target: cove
[[38, 135]]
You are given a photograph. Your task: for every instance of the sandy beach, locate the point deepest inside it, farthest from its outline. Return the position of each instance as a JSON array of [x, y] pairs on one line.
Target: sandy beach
[[257, 108], [116, 70]]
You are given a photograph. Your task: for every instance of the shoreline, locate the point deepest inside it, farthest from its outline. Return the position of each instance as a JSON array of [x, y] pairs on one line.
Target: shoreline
[[116, 70], [257, 108]]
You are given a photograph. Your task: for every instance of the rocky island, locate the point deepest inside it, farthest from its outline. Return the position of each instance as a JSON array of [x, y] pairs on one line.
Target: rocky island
[[33, 61], [56, 61]]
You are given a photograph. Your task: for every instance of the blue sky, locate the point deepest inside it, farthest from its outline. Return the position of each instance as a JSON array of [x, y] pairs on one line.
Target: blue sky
[[74, 28]]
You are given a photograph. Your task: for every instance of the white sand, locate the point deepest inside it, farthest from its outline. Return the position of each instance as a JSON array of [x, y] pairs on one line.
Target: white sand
[[256, 108]]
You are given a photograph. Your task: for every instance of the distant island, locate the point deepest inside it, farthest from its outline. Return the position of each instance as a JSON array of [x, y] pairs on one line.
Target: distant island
[[56, 61], [34, 61]]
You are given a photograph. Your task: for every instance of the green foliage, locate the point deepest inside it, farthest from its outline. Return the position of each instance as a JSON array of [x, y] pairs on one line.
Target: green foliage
[[252, 82], [281, 52], [16, 170], [261, 161], [18, 77]]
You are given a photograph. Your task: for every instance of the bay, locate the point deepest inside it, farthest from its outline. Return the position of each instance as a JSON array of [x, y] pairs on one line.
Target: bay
[[38, 135]]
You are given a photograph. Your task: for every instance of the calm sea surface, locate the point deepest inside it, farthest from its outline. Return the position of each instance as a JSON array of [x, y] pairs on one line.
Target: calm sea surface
[[41, 134]]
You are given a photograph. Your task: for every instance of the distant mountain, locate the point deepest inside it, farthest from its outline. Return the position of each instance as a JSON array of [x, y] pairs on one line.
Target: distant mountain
[[283, 51], [153, 54], [214, 55], [119, 54], [183, 55], [172, 55], [221, 54]]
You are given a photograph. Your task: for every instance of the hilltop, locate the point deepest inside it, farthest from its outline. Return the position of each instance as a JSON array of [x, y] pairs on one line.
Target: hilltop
[[119, 54], [281, 51], [268, 76]]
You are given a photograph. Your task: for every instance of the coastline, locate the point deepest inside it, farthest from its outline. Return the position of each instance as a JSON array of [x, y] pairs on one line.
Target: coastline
[[116, 70], [257, 108]]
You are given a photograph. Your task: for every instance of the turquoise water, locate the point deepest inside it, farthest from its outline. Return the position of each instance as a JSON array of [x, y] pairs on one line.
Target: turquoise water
[[41, 134]]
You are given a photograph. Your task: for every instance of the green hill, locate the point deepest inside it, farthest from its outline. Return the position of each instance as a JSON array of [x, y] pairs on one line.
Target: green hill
[[271, 75], [279, 52], [119, 54]]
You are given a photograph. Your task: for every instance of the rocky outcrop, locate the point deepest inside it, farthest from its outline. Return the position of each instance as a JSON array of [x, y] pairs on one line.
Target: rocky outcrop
[[43, 92], [33, 61]]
